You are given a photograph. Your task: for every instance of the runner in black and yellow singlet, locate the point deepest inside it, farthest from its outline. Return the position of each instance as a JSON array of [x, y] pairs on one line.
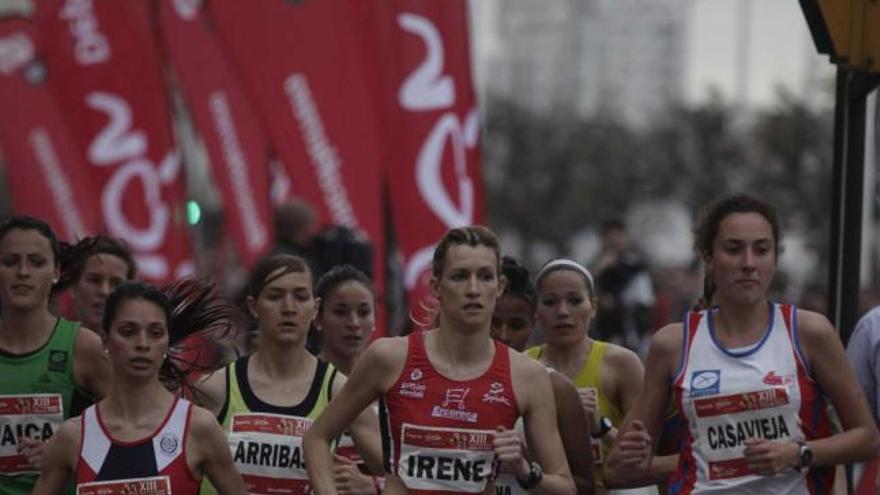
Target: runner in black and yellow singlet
[[268, 400]]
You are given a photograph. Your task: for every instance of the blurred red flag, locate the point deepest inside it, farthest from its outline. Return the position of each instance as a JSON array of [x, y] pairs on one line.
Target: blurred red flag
[[43, 163], [105, 74], [230, 127]]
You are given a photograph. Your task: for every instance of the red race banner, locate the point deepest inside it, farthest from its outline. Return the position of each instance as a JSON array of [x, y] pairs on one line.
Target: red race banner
[[41, 159], [104, 70], [233, 134], [301, 68], [428, 109]]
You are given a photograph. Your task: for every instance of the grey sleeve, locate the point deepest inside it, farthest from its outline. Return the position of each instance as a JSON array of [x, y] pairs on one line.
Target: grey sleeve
[[862, 352]]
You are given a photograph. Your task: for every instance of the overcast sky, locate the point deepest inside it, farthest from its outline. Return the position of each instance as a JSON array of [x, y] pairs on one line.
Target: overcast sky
[[781, 50]]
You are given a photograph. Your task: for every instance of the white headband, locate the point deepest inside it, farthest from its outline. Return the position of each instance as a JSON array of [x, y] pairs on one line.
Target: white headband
[[566, 263]]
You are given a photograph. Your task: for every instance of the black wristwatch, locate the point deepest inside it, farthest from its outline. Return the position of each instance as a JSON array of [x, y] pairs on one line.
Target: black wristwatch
[[535, 476], [605, 426], [805, 456]]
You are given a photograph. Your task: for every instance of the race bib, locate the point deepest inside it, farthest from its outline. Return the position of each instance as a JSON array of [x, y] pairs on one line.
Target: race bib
[[36, 416], [725, 423], [267, 450], [158, 485], [446, 459]]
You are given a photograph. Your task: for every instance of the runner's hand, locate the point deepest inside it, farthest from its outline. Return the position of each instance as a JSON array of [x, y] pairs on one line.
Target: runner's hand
[[635, 447], [508, 446], [589, 402], [349, 479], [767, 457], [33, 450]]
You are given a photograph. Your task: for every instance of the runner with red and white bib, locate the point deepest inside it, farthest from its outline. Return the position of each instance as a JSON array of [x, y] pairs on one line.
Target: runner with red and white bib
[[141, 439], [750, 378], [450, 396]]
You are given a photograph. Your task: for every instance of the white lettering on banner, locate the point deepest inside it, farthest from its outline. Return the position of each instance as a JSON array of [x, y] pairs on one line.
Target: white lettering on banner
[[426, 88], [255, 231], [186, 9], [116, 143], [53, 174], [90, 46], [323, 154], [16, 51]]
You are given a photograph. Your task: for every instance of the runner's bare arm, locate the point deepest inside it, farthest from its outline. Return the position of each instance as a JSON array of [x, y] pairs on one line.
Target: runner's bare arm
[[534, 394], [572, 424], [59, 459], [373, 374], [91, 367], [365, 433], [827, 359], [631, 461], [208, 449], [210, 391]]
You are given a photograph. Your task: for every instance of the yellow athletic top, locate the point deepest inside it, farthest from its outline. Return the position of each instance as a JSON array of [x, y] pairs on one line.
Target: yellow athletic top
[[590, 376]]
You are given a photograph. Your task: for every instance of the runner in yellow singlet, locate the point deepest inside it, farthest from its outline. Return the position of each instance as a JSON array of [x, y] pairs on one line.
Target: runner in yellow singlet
[[608, 377]]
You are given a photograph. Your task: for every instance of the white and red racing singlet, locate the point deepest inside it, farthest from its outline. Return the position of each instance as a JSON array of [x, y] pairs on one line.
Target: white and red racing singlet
[[155, 465], [727, 396], [437, 432]]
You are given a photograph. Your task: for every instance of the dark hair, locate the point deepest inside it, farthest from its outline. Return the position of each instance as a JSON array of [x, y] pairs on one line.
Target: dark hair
[[709, 223], [192, 308], [23, 222], [475, 235], [75, 256], [337, 276], [267, 265], [519, 282], [610, 224]]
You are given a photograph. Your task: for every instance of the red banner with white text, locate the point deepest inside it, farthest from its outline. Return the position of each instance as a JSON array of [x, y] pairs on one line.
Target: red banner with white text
[[306, 78], [429, 113], [105, 73], [233, 134], [41, 158]]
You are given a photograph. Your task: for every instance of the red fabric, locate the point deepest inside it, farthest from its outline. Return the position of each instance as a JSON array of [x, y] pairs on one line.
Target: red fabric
[[422, 397], [44, 168], [232, 131], [867, 481], [300, 66], [426, 101], [105, 73]]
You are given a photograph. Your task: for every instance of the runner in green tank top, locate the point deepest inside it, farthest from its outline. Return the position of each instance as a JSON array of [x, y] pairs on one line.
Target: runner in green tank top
[[44, 360], [268, 400]]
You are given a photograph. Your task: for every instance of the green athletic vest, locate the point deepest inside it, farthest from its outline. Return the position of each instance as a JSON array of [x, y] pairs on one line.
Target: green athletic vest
[[266, 440], [36, 390]]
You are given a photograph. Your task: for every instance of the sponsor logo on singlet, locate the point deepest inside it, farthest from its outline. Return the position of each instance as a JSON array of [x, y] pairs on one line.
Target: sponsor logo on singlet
[[158, 485], [495, 395], [726, 422], [267, 449], [169, 443], [705, 382], [412, 388], [454, 406], [445, 459], [35, 416]]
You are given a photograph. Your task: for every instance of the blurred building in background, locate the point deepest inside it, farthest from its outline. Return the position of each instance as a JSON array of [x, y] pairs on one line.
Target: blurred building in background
[[619, 58]]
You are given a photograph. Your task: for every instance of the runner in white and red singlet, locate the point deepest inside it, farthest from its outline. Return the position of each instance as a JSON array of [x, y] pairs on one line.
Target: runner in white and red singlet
[[749, 377], [141, 438], [450, 396]]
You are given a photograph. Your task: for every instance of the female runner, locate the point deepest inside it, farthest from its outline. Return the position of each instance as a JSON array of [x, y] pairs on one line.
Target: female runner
[[141, 438], [267, 401], [45, 360], [450, 396], [749, 377]]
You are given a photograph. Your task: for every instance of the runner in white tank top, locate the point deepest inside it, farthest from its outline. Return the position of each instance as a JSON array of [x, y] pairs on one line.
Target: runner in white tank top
[[749, 377]]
